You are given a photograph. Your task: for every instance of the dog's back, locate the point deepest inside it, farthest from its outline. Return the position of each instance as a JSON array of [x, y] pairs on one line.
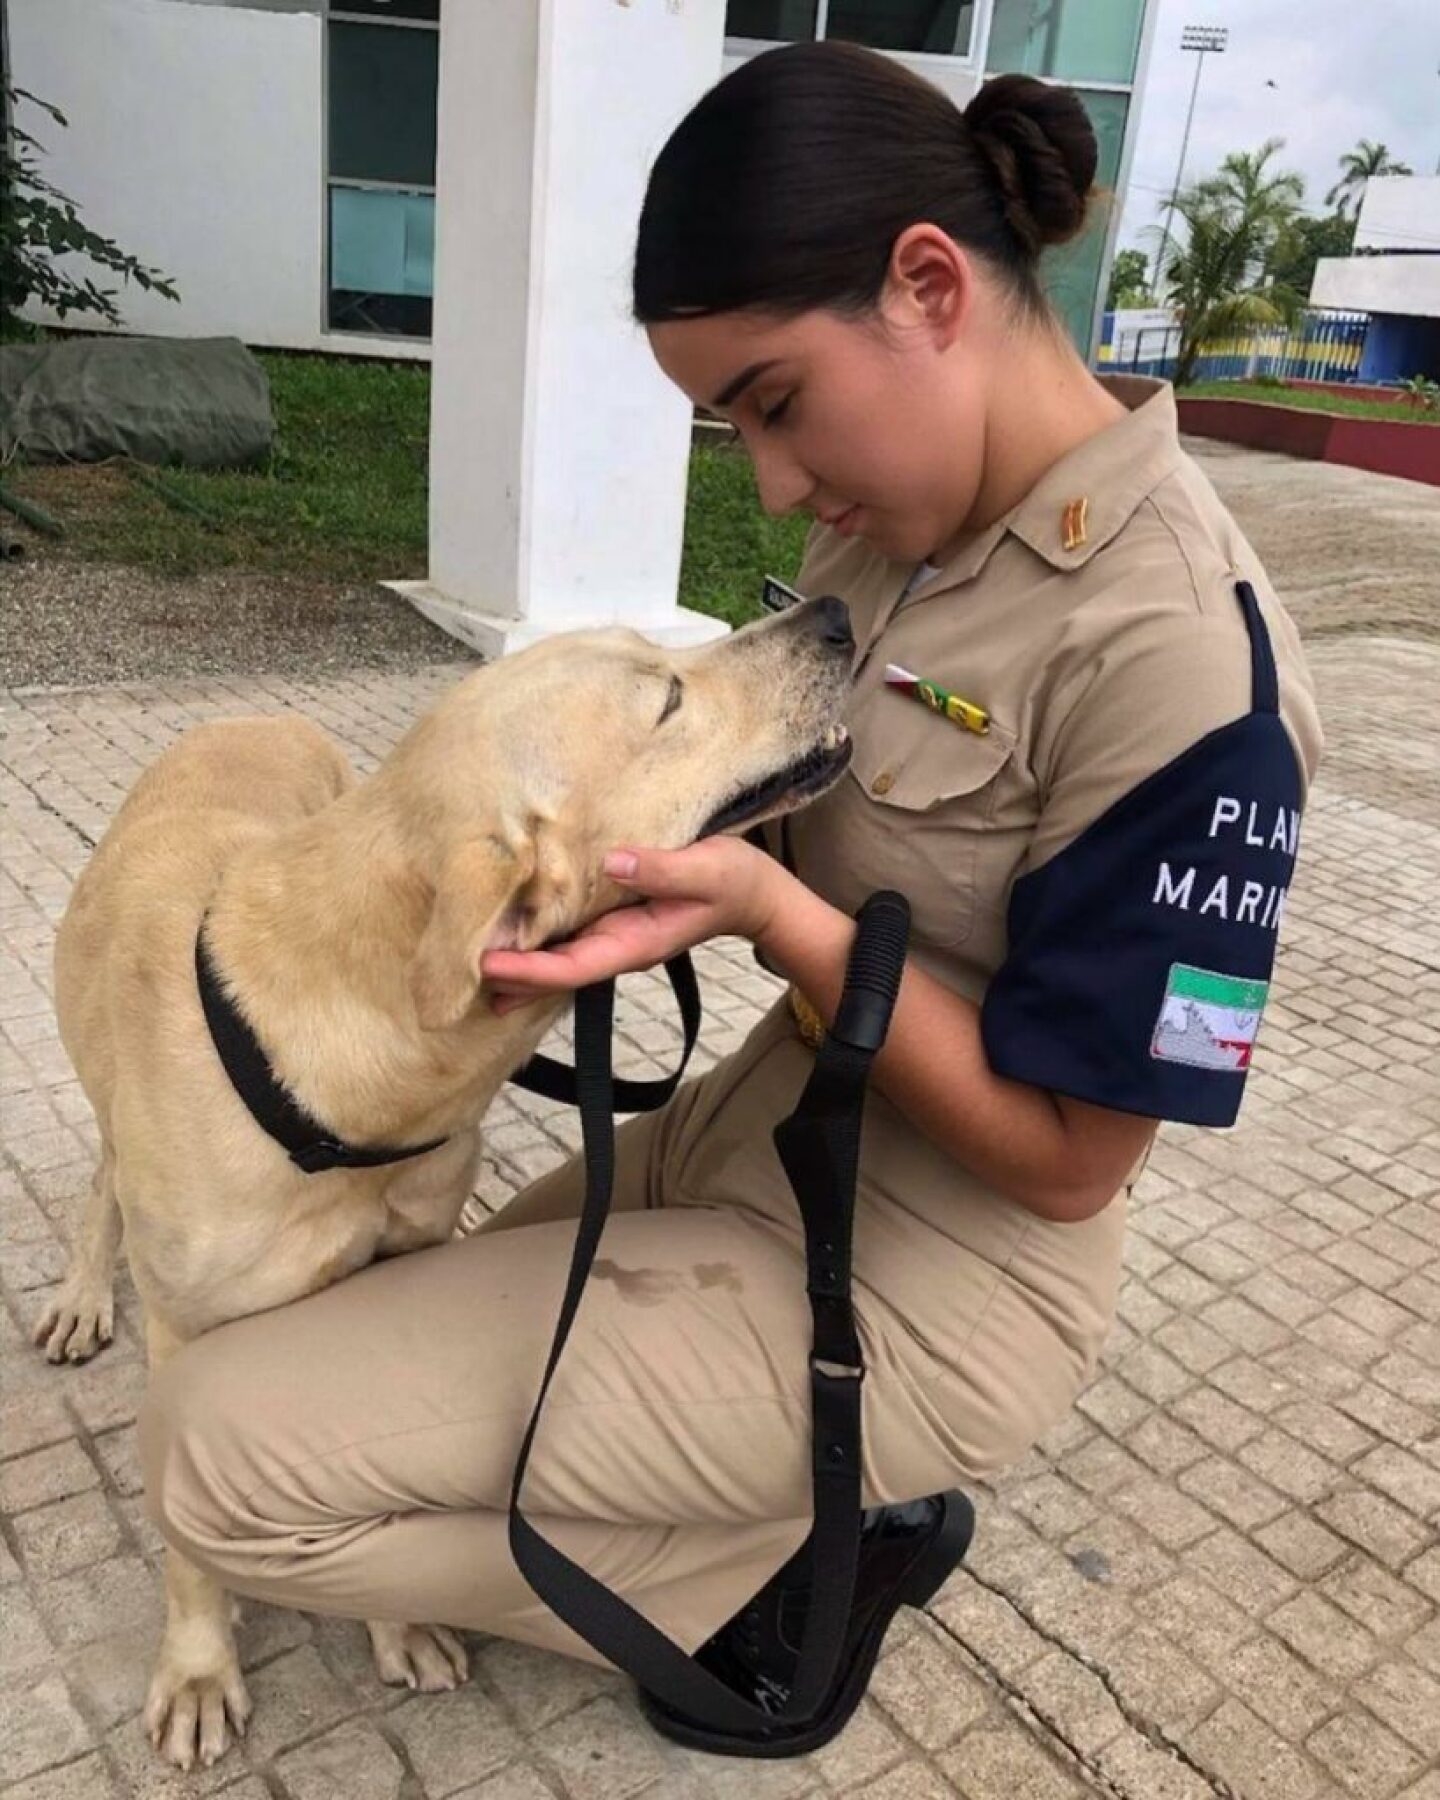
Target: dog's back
[[271, 769]]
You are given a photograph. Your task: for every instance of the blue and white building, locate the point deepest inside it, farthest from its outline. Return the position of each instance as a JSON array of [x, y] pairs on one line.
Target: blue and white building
[[1393, 274]]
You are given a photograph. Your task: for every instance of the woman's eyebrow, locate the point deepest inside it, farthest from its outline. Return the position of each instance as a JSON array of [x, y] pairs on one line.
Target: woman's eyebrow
[[734, 389]]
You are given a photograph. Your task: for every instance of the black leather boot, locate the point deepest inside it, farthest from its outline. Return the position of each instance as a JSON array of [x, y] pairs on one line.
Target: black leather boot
[[906, 1554]]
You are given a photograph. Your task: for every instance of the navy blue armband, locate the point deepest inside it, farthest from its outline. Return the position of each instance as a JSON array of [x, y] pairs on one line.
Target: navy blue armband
[[1140, 956]]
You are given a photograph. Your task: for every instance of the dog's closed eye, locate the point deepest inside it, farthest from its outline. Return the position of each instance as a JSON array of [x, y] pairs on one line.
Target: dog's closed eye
[[672, 699]]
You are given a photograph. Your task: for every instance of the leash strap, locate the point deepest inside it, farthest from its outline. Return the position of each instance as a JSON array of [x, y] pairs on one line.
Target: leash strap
[[554, 1080], [818, 1145]]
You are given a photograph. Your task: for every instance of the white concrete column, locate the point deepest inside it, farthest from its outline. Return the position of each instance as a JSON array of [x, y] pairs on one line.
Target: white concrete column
[[558, 451]]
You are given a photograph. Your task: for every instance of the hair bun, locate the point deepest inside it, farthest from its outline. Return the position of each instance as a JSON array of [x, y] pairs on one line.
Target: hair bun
[[1039, 141]]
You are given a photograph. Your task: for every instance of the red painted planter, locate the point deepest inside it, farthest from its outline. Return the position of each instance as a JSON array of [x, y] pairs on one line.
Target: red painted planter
[[1386, 446]]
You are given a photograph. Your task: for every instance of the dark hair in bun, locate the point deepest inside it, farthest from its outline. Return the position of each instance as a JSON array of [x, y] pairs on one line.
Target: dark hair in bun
[[786, 185], [1041, 145]]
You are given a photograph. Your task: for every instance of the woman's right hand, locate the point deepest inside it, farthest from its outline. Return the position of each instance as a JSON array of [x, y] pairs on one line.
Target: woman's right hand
[[718, 887]]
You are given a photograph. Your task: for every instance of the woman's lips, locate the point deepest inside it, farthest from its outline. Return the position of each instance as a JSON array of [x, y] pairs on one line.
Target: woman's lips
[[846, 523]]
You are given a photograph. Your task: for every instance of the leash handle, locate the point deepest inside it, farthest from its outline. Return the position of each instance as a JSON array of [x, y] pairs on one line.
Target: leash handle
[[872, 975], [819, 1149]]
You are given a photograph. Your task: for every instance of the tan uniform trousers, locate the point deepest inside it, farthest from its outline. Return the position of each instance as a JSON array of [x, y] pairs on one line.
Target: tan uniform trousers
[[352, 1452]]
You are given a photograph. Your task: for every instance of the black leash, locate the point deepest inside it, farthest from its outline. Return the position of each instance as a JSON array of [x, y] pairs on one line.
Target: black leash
[[818, 1145], [554, 1080]]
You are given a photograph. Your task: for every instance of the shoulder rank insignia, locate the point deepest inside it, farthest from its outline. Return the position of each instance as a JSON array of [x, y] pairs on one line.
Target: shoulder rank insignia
[[1073, 522]]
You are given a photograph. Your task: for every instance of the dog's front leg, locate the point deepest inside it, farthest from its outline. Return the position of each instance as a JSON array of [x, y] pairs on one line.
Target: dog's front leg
[[422, 1206], [197, 1691], [80, 1318]]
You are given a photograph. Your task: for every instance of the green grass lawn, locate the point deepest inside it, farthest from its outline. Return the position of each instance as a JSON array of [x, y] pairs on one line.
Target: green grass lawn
[[731, 543], [1275, 395], [343, 496]]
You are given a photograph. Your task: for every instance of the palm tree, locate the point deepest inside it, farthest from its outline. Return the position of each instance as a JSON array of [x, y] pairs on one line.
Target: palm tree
[[1263, 201], [1234, 220], [1357, 166], [1208, 279]]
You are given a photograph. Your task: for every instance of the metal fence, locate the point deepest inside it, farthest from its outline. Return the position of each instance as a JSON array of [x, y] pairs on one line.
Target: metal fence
[[1139, 349], [1322, 345]]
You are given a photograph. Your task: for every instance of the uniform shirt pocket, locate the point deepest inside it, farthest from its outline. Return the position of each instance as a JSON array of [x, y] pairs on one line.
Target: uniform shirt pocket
[[908, 815]]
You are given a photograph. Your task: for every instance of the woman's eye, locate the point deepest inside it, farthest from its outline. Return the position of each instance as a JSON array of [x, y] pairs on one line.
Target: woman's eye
[[777, 412]]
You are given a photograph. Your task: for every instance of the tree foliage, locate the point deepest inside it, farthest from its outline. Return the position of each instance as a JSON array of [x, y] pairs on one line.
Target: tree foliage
[[1300, 247], [38, 224], [1129, 280], [1357, 166], [1221, 277]]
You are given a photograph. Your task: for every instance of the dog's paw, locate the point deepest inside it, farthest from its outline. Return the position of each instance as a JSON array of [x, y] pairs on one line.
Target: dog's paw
[[79, 1320], [428, 1657], [189, 1716]]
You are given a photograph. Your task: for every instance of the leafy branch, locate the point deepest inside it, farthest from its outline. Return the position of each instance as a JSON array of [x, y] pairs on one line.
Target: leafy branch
[[39, 223]]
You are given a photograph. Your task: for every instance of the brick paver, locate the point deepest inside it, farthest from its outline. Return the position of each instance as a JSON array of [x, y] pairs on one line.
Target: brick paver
[[1220, 1576]]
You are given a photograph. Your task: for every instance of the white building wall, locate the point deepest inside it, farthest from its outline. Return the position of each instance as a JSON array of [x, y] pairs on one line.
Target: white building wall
[[1399, 225], [1409, 285], [1400, 212], [196, 142]]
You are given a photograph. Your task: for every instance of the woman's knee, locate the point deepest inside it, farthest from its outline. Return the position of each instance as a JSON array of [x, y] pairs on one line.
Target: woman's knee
[[190, 1429]]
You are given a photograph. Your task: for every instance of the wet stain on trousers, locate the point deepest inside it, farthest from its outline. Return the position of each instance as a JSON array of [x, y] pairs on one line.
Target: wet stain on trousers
[[640, 1287], [650, 1287]]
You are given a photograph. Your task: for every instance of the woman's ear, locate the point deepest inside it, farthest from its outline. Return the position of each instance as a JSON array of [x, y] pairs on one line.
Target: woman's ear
[[930, 281]]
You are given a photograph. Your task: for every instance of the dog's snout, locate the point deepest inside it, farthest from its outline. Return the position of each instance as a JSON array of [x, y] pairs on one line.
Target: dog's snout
[[835, 623]]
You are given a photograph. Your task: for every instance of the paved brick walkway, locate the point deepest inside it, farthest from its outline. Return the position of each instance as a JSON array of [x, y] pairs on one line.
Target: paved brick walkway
[[1220, 1577]]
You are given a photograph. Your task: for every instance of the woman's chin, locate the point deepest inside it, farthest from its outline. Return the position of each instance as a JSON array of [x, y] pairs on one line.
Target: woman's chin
[[894, 546]]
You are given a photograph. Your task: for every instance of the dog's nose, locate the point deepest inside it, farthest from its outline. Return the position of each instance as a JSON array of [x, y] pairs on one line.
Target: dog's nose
[[835, 623]]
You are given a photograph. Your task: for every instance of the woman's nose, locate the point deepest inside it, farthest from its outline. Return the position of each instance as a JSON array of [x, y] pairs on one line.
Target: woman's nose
[[783, 486]]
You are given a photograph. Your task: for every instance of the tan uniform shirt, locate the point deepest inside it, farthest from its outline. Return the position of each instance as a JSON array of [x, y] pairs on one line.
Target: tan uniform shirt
[[1099, 654]]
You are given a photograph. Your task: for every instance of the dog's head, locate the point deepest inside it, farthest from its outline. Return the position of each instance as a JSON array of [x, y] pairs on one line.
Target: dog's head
[[517, 783]]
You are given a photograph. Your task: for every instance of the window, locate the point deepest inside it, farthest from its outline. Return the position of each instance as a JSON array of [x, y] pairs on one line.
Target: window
[[382, 70], [1071, 40], [772, 21], [1070, 274], [927, 27]]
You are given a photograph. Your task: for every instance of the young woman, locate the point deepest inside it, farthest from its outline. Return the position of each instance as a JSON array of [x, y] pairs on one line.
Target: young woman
[[1094, 819]]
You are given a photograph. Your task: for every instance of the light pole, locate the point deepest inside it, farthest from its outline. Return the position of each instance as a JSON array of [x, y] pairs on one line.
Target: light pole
[[1204, 40]]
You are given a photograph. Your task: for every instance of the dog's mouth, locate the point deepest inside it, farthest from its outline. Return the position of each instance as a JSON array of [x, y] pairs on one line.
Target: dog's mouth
[[805, 778]]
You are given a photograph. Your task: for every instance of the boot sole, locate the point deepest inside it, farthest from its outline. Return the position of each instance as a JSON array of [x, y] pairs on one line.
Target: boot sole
[[932, 1568]]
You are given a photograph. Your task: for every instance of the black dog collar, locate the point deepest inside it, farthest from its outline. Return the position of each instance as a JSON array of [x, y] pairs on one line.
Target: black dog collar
[[309, 1146]]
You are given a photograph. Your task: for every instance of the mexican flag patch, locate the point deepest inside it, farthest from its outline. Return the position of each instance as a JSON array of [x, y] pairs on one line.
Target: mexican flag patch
[[1208, 1020]]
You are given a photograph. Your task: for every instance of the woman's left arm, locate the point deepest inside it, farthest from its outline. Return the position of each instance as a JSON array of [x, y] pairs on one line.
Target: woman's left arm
[[1059, 1158]]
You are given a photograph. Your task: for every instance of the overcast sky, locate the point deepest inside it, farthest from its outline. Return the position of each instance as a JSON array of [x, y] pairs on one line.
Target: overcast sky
[[1343, 70]]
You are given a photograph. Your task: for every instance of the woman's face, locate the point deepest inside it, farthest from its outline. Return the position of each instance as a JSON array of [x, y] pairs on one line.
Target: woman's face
[[875, 425]]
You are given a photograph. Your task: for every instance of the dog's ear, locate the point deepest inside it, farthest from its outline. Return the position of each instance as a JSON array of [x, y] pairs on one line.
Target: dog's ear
[[474, 909], [553, 897]]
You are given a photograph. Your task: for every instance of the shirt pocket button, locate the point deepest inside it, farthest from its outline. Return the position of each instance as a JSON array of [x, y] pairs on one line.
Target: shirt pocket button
[[882, 783]]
